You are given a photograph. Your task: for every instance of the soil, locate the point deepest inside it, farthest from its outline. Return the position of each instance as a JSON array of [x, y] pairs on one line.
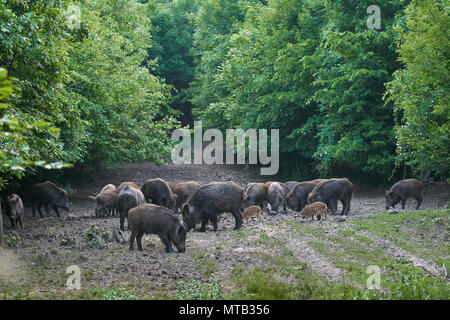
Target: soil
[[50, 245]]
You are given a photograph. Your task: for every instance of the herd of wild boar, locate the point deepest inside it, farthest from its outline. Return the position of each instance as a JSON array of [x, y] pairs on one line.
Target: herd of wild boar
[[156, 206]]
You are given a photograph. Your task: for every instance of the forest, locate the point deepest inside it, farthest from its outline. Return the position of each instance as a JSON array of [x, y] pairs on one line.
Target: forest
[[92, 92], [111, 84]]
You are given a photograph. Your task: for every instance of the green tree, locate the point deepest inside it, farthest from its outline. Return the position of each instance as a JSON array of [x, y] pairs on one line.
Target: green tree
[[420, 91], [172, 34]]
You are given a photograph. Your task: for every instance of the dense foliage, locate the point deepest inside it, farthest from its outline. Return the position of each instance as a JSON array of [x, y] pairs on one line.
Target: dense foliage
[[105, 86], [420, 91]]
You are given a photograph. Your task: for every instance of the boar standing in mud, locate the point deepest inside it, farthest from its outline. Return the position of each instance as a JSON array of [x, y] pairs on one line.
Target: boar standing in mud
[[249, 212], [183, 191], [128, 198], [297, 198], [106, 201], [319, 210], [332, 190], [15, 210], [152, 219], [255, 194], [403, 190], [50, 196], [276, 197], [209, 201], [157, 191]]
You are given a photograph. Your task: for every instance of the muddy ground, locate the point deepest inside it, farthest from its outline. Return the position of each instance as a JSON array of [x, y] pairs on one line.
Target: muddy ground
[[49, 245]]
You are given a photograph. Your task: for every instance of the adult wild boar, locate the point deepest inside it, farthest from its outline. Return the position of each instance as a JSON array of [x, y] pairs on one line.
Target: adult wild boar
[[296, 199], [211, 200], [128, 198], [15, 210], [183, 191], [106, 201], [50, 196], [403, 190], [332, 190], [152, 219], [255, 194], [276, 196], [157, 191]]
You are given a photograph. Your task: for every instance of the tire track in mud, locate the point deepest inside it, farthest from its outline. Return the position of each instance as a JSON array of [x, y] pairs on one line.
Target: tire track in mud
[[391, 249], [305, 253]]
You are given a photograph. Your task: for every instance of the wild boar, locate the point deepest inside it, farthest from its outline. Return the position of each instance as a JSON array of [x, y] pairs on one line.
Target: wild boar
[[157, 191], [183, 190], [106, 201], [128, 198], [403, 190], [250, 211], [15, 210], [318, 210], [332, 190], [296, 199], [255, 194], [50, 196], [153, 219], [209, 201], [276, 197]]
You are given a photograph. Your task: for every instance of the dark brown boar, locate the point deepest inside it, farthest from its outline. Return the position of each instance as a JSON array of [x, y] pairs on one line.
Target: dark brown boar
[[50, 196], [209, 201], [106, 201], [255, 194], [332, 190], [183, 190], [128, 198], [403, 190], [157, 191], [296, 199], [276, 196], [152, 219], [15, 210]]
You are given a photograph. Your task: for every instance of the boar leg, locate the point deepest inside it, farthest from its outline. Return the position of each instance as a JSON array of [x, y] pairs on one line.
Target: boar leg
[[132, 237], [57, 212], [166, 240], [139, 240], [21, 222], [122, 220], [403, 203], [419, 202], [214, 222], [204, 222], [39, 209], [48, 208], [333, 206], [238, 219]]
